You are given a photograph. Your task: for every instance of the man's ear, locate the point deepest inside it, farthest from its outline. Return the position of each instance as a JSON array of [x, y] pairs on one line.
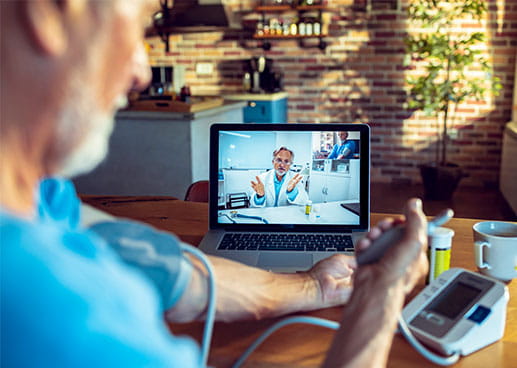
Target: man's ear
[[46, 20]]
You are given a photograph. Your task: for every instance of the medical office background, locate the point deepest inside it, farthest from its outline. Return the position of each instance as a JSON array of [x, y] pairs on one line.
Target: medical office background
[[246, 154]]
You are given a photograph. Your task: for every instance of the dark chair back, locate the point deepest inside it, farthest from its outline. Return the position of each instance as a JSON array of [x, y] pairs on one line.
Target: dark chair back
[[197, 192]]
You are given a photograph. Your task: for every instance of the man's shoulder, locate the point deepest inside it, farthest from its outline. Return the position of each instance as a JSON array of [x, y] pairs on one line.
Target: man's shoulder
[[28, 242], [15, 230], [99, 307], [72, 265]]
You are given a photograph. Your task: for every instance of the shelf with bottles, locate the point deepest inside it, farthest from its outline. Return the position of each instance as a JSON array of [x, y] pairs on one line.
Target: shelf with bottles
[[289, 19], [286, 37], [289, 26], [281, 8], [273, 8]]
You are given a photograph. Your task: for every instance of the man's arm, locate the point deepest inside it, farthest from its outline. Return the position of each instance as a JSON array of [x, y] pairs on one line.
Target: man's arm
[[258, 201], [348, 149], [245, 292], [368, 325], [344, 154], [370, 318], [333, 154]]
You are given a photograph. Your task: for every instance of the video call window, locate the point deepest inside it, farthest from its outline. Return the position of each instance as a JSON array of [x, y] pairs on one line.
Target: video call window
[[324, 164]]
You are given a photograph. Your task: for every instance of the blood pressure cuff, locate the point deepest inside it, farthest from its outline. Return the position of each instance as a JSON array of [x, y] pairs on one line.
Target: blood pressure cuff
[[155, 253]]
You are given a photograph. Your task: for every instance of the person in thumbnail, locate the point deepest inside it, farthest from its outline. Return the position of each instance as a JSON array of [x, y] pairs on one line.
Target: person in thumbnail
[[343, 150], [278, 187]]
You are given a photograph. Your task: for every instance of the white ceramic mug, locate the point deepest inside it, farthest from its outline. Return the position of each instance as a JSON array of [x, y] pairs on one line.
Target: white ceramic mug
[[495, 249]]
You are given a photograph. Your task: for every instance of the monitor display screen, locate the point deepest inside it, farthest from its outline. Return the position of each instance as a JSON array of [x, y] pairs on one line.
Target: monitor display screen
[[455, 301], [289, 177]]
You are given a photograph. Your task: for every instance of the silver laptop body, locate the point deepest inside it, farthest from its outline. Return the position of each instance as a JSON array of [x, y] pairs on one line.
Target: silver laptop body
[[331, 209]]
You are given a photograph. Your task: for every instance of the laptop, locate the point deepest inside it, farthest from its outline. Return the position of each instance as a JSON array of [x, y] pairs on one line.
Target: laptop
[[325, 212]]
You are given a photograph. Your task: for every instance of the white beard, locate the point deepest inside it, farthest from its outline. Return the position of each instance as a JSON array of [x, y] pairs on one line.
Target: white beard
[[83, 131], [279, 173]]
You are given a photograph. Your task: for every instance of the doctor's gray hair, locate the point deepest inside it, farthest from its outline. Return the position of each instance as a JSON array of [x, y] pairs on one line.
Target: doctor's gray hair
[[283, 148]]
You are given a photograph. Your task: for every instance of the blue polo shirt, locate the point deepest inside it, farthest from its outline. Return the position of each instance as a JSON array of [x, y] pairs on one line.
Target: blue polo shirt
[[69, 298], [340, 148]]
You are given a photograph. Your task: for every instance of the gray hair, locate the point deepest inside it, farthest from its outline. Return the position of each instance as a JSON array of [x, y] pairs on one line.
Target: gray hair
[[283, 148]]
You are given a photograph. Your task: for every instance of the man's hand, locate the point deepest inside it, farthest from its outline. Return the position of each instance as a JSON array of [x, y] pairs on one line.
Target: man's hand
[[370, 316], [258, 187], [407, 261], [334, 279], [292, 183]]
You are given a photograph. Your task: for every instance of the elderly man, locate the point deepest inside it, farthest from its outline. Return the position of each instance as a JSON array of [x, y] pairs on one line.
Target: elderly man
[[278, 187], [70, 298], [345, 149]]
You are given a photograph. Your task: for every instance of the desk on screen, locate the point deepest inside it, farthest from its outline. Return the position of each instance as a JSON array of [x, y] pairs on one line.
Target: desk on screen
[[322, 213]]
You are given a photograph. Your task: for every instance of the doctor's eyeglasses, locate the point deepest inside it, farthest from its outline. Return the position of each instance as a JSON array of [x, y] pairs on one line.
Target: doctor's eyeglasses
[[280, 161]]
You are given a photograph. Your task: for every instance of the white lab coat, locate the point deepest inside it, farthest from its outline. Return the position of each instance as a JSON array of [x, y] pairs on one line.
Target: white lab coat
[[268, 178]]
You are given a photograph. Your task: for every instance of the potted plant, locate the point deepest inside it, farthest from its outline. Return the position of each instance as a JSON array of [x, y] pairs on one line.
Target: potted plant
[[447, 56]]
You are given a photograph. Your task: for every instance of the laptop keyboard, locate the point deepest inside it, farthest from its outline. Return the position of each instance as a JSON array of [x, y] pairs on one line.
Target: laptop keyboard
[[287, 242]]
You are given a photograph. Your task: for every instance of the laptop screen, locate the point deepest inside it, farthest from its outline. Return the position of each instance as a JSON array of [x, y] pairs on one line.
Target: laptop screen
[[300, 176]]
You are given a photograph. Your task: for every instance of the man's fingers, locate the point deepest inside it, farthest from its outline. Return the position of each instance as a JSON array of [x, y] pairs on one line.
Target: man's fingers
[[386, 223], [410, 250], [296, 179], [382, 226], [362, 244], [258, 187], [416, 223]]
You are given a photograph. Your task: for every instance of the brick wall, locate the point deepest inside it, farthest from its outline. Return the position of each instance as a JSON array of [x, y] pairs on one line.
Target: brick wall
[[360, 77]]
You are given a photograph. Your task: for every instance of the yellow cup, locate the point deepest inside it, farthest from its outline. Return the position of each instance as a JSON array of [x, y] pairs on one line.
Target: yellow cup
[[308, 207], [439, 251]]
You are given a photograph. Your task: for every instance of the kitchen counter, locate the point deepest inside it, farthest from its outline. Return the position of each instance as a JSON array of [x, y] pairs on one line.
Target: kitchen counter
[[257, 96], [134, 113], [157, 153], [263, 107]]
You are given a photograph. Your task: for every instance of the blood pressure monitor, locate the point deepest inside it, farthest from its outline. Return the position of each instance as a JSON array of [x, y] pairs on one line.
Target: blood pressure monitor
[[459, 312]]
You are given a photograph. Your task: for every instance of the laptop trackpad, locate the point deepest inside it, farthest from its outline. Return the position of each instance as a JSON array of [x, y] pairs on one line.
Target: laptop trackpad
[[276, 261]]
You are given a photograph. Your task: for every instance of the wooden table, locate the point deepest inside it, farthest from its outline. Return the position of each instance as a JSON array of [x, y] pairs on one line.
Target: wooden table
[[300, 345]]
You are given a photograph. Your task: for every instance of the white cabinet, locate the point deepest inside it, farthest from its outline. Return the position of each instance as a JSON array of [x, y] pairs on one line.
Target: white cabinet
[[330, 180], [317, 185], [337, 187], [328, 187], [353, 189], [334, 180]]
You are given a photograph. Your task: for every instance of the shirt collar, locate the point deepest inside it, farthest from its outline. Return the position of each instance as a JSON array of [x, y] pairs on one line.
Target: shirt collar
[[57, 202], [276, 178]]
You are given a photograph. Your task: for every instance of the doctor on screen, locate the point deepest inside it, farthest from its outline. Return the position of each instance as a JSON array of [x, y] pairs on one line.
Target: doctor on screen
[[278, 187]]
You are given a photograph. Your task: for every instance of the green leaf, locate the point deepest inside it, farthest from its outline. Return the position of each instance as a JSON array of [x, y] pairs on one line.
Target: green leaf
[[446, 55]]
